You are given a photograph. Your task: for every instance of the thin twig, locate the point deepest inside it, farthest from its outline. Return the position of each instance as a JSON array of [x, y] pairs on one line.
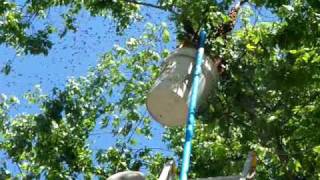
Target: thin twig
[[19, 168], [242, 2]]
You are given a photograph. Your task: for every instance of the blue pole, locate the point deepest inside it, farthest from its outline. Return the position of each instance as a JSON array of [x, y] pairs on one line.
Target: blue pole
[[192, 108]]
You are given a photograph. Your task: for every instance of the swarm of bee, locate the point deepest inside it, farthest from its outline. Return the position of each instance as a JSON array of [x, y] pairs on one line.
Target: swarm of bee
[[191, 36]]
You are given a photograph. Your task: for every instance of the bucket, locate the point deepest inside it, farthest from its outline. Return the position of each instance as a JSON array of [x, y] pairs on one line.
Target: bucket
[[167, 101]]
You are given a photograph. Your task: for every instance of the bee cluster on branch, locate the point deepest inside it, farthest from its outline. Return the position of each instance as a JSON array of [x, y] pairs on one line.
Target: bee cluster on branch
[[191, 37]]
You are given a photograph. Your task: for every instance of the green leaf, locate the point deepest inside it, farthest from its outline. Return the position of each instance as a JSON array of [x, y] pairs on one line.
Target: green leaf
[[165, 36], [293, 51], [288, 7], [133, 142], [316, 149], [220, 40], [250, 47]]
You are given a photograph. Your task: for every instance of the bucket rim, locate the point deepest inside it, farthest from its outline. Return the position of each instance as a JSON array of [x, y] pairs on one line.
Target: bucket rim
[[191, 52]]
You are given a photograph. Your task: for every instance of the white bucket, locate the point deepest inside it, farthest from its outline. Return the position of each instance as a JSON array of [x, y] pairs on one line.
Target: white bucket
[[167, 101]]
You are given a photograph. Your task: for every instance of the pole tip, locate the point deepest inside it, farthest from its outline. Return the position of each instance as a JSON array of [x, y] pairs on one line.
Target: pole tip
[[203, 35]]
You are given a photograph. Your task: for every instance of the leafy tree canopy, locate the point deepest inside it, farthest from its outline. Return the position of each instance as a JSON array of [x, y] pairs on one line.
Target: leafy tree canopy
[[267, 99]]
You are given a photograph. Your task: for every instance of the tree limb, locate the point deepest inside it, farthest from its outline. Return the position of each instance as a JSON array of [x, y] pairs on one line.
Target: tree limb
[[151, 5]]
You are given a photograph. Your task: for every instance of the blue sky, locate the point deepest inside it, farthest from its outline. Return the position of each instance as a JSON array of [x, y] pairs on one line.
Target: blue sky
[[72, 56]]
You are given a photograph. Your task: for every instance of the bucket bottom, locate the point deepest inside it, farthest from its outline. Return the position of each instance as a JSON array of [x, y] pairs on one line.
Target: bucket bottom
[[167, 107]]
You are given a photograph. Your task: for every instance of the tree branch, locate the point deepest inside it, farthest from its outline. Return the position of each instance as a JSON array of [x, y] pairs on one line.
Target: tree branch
[[151, 5], [243, 1]]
